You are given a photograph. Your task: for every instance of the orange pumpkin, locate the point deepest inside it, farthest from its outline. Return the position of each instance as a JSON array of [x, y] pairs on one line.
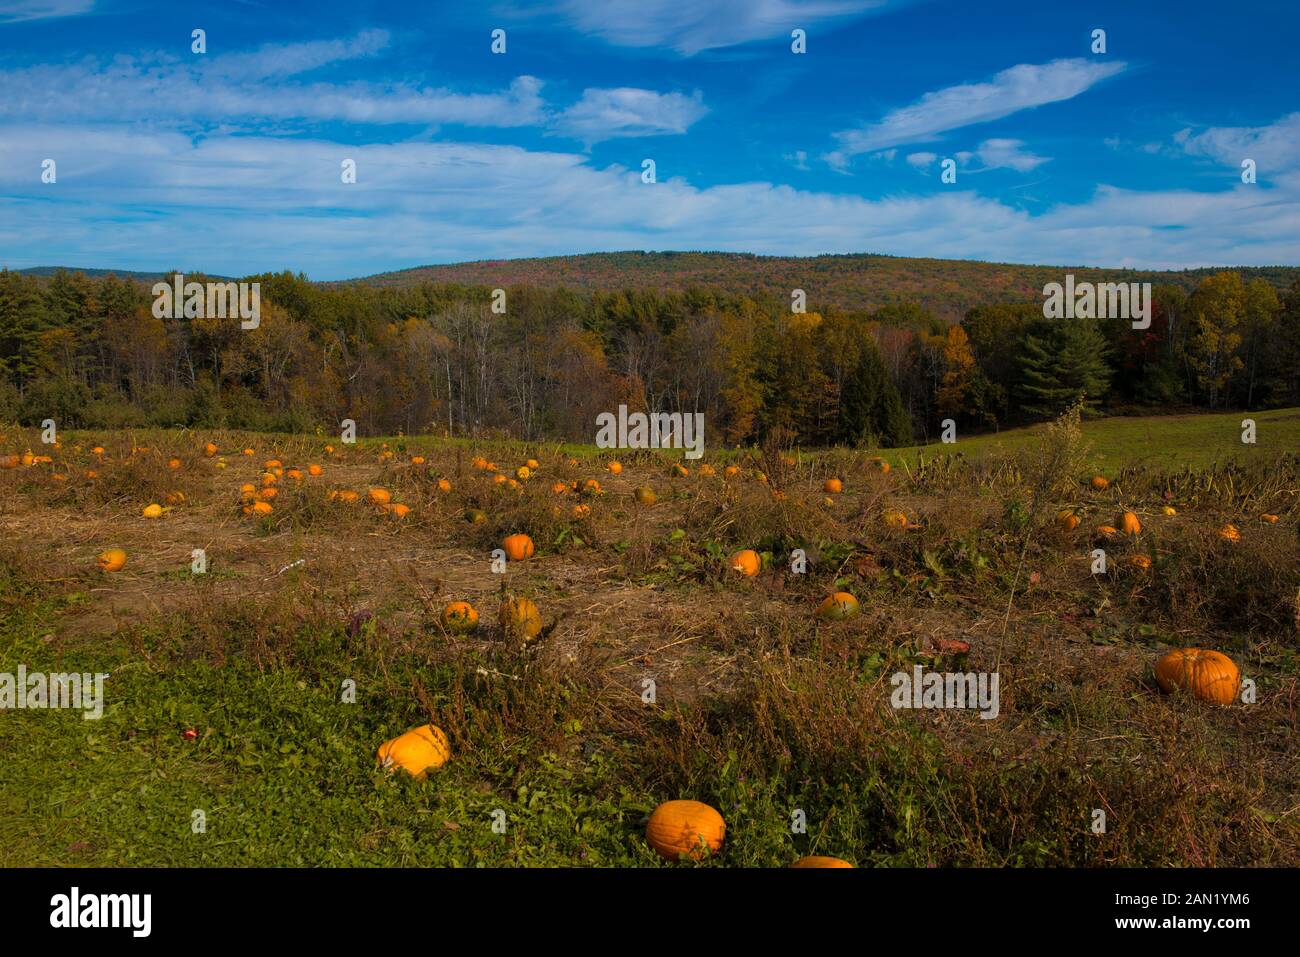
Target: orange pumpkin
[[833, 486], [153, 510], [209, 450], [518, 547], [1209, 675], [1230, 533], [818, 861], [896, 519], [1270, 519], [112, 560], [645, 496], [379, 496], [460, 617], [1140, 561], [838, 606], [615, 468], [746, 561], [444, 485], [416, 751], [1100, 483], [685, 828], [520, 618], [1129, 524], [314, 470], [259, 508], [1067, 520]]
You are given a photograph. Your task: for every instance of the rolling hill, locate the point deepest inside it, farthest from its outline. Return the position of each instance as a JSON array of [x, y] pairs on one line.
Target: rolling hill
[[861, 281]]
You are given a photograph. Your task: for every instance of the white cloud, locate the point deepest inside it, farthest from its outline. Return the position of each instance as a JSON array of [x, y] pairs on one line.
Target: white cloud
[[605, 114], [1272, 147], [1006, 154], [233, 86], [235, 204], [15, 11], [289, 59], [689, 26], [1020, 87], [920, 160]]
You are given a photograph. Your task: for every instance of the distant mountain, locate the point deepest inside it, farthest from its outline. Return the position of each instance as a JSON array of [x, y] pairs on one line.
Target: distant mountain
[[149, 277], [860, 281], [47, 271]]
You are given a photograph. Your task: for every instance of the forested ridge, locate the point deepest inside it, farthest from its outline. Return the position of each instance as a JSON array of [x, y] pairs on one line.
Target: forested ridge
[[423, 356]]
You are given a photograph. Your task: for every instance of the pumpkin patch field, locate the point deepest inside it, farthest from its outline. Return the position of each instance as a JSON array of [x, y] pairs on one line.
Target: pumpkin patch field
[[412, 651]]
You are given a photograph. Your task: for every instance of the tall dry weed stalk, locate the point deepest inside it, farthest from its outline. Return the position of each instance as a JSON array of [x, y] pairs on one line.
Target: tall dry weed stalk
[[1051, 467]]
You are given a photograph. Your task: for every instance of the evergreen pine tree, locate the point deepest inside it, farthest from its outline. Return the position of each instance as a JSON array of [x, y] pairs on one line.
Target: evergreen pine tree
[[871, 410], [1062, 362]]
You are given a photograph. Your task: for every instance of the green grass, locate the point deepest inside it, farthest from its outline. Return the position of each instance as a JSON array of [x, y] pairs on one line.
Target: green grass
[[284, 773], [1172, 442], [1167, 442]]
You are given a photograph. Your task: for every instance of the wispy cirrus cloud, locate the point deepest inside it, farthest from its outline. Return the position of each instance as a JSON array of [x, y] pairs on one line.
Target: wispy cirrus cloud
[[291, 59], [16, 11], [1017, 88], [690, 26], [265, 86], [257, 84], [606, 114]]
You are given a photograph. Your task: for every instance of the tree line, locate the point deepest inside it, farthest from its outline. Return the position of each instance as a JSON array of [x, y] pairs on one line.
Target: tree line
[[436, 358]]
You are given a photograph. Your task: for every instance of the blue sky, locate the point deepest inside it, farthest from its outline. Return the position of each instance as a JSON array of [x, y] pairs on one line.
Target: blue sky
[[229, 161]]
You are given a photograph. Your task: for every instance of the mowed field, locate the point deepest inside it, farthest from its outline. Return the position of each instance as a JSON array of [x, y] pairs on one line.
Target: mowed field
[[225, 693]]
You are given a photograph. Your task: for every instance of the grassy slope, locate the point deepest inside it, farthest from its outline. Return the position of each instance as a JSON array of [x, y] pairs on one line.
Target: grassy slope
[[1169, 442]]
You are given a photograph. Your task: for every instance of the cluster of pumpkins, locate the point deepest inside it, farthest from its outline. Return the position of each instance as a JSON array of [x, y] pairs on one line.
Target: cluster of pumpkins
[[519, 617], [1129, 524]]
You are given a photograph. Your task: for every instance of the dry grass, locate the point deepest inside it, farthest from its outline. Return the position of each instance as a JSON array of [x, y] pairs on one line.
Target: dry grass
[[747, 680]]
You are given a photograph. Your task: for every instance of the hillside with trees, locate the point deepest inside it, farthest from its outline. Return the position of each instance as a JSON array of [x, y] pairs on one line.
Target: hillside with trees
[[434, 357], [864, 281]]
